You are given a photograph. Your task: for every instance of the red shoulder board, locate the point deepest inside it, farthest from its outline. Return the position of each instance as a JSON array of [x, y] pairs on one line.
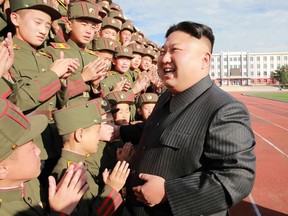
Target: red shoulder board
[[111, 73], [60, 45], [90, 51]]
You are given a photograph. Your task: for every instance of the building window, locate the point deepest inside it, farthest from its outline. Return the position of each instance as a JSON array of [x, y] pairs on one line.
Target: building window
[[251, 58], [265, 73], [251, 66], [265, 80], [278, 58], [271, 58], [265, 66], [272, 66], [258, 81], [285, 58], [265, 58], [258, 58], [258, 66], [258, 73], [252, 73]]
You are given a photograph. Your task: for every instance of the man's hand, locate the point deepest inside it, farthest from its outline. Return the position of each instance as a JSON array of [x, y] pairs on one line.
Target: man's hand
[[125, 153], [65, 196], [152, 192], [6, 55]]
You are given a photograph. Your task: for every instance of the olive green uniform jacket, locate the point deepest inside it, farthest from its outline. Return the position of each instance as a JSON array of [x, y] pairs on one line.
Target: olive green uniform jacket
[[93, 202], [23, 200], [77, 90]]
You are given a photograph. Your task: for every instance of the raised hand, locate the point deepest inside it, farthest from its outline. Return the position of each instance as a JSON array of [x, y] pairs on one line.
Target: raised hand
[[117, 178], [125, 153], [95, 70], [65, 196]]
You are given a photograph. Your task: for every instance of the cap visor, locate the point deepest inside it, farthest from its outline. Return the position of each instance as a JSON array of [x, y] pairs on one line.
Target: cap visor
[[38, 125]]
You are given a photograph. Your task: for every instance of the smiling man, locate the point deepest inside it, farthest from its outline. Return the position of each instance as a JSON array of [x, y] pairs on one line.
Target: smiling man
[[195, 153]]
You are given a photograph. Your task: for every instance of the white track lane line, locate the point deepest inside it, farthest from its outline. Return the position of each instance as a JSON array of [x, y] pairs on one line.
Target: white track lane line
[[271, 144], [254, 205], [269, 122]]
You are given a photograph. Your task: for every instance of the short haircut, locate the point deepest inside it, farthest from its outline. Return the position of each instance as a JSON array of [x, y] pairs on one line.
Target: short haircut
[[196, 30]]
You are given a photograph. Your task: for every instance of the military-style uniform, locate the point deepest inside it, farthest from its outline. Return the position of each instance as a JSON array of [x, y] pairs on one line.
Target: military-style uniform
[[68, 120], [22, 200], [8, 89], [76, 89], [93, 201]]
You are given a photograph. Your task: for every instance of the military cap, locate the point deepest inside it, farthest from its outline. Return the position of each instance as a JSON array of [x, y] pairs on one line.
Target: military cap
[[137, 48], [16, 129], [156, 55], [104, 6], [116, 97], [111, 22], [149, 52], [117, 15], [83, 115], [136, 38], [147, 98], [128, 25], [123, 51], [115, 7], [110, 1], [84, 9], [105, 106], [42, 5], [107, 44]]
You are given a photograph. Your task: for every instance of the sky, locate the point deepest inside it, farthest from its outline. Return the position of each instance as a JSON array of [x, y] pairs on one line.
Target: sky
[[238, 25]]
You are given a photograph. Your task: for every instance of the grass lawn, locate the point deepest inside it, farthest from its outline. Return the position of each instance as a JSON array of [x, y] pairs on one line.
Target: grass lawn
[[283, 96]]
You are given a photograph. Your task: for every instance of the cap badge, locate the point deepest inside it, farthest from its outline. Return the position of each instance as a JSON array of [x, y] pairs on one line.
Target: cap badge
[[91, 10], [122, 96], [103, 103], [149, 97], [125, 50]]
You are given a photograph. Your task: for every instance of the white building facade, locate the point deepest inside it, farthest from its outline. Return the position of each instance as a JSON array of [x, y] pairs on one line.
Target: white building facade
[[246, 68]]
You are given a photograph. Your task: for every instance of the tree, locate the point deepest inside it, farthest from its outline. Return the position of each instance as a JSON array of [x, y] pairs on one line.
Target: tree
[[281, 75]]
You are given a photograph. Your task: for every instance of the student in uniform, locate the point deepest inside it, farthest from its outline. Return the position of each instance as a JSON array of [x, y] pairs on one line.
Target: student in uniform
[[37, 77], [110, 28], [145, 105], [79, 126], [125, 35], [82, 18], [20, 166]]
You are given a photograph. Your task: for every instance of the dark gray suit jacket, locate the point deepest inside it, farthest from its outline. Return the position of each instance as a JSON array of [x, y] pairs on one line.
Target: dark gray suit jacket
[[201, 143]]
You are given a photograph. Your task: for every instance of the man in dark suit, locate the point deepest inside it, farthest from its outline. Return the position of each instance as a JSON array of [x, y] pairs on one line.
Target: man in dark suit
[[195, 152]]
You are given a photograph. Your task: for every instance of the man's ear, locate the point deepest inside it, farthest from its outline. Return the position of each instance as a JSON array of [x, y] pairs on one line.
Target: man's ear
[[3, 171], [15, 17], [206, 60], [78, 134]]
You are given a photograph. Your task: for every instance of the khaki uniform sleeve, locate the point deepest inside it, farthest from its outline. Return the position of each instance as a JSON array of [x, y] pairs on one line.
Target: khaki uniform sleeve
[[34, 89], [107, 202]]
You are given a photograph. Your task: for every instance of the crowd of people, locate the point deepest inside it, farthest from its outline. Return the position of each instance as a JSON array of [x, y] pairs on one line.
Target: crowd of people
[[96, 119]]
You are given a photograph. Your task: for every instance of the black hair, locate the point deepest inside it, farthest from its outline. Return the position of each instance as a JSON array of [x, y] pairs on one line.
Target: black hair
[[196, 30]]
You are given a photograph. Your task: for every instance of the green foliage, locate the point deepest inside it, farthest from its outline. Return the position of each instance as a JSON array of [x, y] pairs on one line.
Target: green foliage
[[281, 75]]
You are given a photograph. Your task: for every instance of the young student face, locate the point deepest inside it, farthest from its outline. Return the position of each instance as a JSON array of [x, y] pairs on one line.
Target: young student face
[[122, 64], [24, 162], [82, 30], [122, 117], [91, 139], [146, 62], [108, 32], [108, 56], [125, 36], [32, 26], [146, 109], [136, 61]]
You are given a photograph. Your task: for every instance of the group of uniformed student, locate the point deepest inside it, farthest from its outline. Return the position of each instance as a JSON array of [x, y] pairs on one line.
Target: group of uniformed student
[[71, 71]]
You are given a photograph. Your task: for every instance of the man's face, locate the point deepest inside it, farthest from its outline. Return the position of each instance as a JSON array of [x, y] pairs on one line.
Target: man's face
[[146, 63], [146, 109], [24, 162], [122, 64], [108, 32], [125, 36], [184, 60], [83, 31], [32, 26], [91, 139], [122, 117], [136, 61]]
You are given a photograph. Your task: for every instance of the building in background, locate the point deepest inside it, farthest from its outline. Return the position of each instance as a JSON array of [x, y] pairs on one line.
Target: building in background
[[246, 68]]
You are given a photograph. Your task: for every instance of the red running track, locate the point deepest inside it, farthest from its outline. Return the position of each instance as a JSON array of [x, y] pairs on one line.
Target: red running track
[[269, 120]]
